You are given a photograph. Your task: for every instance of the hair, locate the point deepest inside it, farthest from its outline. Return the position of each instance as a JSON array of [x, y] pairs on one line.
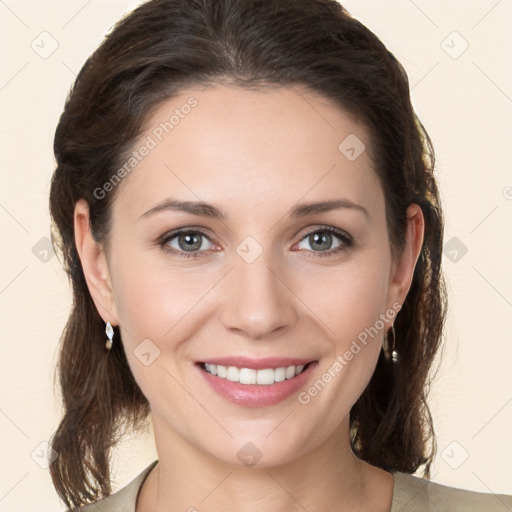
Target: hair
[[157, 51]]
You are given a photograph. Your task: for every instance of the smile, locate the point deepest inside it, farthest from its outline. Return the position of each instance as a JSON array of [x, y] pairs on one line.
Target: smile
[[263, 377], [251, 382]]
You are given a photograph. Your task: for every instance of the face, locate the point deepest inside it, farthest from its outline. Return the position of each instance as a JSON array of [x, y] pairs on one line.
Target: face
[[283, 278]]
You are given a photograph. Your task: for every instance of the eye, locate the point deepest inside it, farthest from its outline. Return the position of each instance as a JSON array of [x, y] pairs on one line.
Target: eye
[[186, 243], [321, 241], [194, 242]]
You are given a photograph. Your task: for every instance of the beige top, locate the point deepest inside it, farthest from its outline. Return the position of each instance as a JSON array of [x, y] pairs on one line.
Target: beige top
[[410, 494]]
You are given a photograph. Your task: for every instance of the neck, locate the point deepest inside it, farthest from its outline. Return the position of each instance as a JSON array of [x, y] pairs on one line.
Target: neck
[[330, 477]]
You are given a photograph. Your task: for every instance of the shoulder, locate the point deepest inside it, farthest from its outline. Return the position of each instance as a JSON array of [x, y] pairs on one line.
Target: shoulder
[[414, 494], [123, 500]]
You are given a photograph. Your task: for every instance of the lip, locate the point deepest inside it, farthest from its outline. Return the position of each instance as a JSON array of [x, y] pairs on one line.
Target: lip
[[257, 364], [255, 395]]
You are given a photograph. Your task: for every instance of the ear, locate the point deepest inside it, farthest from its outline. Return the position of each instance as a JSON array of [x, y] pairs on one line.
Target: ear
[[403, 269], [94, 264]]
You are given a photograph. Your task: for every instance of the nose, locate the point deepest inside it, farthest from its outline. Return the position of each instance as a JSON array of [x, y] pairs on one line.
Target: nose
[[259, 299]]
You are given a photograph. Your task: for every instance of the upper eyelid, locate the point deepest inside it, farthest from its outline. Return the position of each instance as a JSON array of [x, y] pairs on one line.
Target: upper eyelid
[[336, 231], [171, 235], [341, 234]]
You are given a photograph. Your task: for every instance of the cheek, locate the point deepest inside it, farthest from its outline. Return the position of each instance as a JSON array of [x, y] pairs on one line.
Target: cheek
[[152, 300], [352, 308], [154, 308], [349, 299], [161, 310]]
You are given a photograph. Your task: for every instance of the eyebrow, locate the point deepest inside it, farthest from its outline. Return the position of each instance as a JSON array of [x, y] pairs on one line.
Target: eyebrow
[[203, 209]]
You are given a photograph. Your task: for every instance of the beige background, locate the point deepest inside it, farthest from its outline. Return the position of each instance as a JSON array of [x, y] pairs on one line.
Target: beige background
[[465, 101]]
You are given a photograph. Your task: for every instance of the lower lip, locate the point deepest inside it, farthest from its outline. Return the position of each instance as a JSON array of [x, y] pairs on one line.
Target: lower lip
[[254, 395]]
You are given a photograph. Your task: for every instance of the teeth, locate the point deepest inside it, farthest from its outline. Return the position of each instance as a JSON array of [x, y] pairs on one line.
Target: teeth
[[263, 377], [211, 368], [248, 376], [280, 374], [290, 372]]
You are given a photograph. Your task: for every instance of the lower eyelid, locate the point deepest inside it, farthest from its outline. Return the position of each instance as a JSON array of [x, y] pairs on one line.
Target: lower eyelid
[[166, 240], [346, 241], [342, 237]]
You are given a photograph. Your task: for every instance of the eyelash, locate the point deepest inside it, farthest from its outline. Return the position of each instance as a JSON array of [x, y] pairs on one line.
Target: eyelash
[[345, 239]]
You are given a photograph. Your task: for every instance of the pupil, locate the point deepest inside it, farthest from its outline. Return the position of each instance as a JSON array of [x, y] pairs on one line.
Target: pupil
[[191, 242], [322, 239]]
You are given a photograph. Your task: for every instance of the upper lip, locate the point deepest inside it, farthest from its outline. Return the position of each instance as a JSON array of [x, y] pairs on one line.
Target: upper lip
[[257, 364]]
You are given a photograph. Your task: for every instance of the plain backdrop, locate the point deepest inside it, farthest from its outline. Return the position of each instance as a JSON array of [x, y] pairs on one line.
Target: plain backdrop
[[457, 56]]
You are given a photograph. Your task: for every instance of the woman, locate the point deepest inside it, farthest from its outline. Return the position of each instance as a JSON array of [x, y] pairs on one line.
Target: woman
[[246, 206]]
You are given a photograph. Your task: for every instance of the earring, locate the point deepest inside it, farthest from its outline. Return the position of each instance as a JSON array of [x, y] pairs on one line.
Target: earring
[[389, 349], [110, 333]]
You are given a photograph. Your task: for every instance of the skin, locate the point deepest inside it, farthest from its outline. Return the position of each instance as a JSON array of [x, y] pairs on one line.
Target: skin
[[255, 155]]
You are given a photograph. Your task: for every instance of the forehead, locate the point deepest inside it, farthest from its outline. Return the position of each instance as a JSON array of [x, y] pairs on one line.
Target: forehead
[[248, 146]]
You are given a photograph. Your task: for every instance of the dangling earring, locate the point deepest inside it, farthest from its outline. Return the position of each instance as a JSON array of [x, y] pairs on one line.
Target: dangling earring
[[389, 349], [110, 333]]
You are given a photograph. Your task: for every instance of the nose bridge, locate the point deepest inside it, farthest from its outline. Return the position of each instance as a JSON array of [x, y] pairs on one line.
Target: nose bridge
[[258, 302]]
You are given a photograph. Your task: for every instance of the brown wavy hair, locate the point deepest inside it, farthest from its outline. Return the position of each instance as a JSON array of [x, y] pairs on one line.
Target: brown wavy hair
[[157, 51]]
